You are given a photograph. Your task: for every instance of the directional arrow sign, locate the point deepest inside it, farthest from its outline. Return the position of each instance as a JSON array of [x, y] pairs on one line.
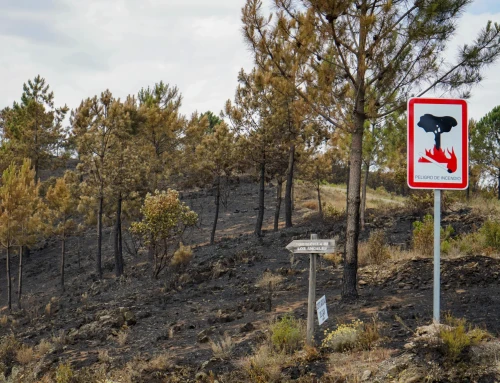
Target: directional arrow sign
[[312, 246]]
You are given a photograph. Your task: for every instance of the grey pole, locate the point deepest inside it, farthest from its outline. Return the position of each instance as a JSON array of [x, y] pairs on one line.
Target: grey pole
[[437, 253], [311, 301]]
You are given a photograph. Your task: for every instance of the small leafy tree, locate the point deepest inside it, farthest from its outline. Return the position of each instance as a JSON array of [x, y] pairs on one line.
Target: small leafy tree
[[20, 215], [165, 218], [62, 202]]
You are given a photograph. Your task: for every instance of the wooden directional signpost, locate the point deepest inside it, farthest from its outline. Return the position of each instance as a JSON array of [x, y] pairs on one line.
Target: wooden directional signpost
[[438, 158], [312, 247]]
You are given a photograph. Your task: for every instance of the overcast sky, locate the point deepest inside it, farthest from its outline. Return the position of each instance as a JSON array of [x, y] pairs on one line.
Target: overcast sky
[[83, 47]]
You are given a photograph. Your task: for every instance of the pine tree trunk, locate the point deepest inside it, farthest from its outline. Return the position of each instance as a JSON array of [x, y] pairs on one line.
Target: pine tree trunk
[[349, 283], [9, 282], [79, 252], [20, 278], [63, 260], [260, 216], [363, 195], [35, 167], [120, 246], [318, 190], [217, 206], [347, 184], [279, 189], [99, 238], [117, 242], [289, 185], [499, 183]]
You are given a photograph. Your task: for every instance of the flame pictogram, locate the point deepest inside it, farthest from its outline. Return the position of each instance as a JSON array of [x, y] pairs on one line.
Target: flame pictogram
[[439, 155]]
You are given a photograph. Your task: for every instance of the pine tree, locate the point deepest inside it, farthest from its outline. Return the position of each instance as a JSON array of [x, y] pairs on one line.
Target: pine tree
[[160, 128], [62, 200], [33, 127], [251, 117], [485, 145], [216, 158], [315, 170], [361, 60], [97, 124]]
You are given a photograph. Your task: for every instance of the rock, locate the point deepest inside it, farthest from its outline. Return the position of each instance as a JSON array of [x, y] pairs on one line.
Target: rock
[[247, 327], [362, 282], [415, 379], [366, 375]]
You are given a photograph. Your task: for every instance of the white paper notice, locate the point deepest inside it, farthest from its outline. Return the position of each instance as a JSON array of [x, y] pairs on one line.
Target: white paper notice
[[321, 310]]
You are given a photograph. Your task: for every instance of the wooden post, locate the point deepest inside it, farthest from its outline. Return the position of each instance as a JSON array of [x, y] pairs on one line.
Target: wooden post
[[311, 301]]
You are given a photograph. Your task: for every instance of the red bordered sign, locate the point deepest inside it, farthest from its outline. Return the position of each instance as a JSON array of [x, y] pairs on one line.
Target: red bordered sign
[[438, 144]]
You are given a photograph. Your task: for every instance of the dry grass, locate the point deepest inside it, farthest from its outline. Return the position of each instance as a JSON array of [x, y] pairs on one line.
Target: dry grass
[[403, 255], [218, 269], [485, 207], [25, 355], [222, 348], [349, 367], [4, 320], [264, 365], [52, 307], [59, 339], [182, 256], [161, 362], [375, 251], [269, 278], [44, 347], [122, 338], [310, 204], [103, 356], [335, 258]]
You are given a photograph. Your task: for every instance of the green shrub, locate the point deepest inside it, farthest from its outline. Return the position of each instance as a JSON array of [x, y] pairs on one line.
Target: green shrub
[[419, 201], [457, 337], [423, 236], [331, 212], [287, 334], [64, 373], [351, 336], [344, 338], [378, 252], [491, 234]]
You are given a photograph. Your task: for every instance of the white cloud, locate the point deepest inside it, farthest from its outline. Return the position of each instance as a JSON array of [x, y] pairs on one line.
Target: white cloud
[[84, 47], [486, 95]]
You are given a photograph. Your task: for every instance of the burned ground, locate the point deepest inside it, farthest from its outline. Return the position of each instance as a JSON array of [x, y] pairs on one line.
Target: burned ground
[[218, 293]]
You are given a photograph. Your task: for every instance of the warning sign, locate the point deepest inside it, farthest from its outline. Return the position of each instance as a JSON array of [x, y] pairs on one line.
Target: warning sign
[[438, 144]]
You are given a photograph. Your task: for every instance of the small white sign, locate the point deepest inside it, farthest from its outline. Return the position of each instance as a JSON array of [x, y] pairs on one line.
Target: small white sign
[[321, 310]]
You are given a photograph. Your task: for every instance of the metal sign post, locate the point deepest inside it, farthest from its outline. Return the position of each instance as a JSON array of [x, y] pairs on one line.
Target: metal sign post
[[438, 159], [312, 247], [437, 254]]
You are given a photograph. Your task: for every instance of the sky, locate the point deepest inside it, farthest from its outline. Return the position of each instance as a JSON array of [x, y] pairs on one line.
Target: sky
[[85, 47]]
